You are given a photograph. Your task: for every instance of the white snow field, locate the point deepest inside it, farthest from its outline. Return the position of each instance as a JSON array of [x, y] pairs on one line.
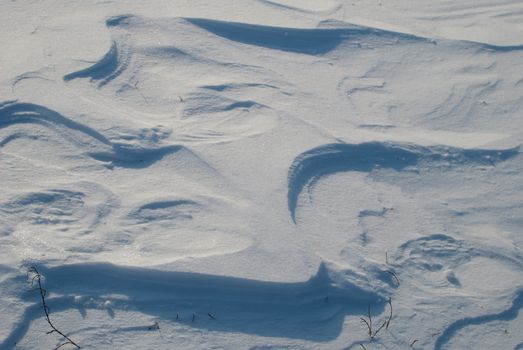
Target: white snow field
[[262, 174]]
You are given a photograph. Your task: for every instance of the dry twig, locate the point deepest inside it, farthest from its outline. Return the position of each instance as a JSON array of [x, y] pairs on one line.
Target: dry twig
[[393, 275], [35, 276], [372, 333]]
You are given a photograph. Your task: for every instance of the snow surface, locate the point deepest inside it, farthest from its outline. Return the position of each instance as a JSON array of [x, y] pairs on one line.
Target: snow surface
[[257, 174]]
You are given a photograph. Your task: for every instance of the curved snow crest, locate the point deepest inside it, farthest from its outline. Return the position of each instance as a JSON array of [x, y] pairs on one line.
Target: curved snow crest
[[14, 112], [118, 20], [510, 313], [113, 63], [309, 41], [83, 203], [455, 252], [365, 157], [334, 8], [94, 144], [314, 309], [110, 66], [498, 48], [322, 39], [161, 210], [313, 41]]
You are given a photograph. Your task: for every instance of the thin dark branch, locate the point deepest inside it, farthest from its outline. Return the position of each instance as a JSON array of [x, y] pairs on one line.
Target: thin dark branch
[[379, 329], [37, 277], [372, 333], [370, 321], [390, 316], [368, 326], [394, 275], [66, 343]]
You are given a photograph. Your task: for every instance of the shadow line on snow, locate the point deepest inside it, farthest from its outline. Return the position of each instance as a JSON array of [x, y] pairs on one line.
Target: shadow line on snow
[[506, 315], [309, 41], [97, 145], [312, 310], [364, 157], [109, 67]]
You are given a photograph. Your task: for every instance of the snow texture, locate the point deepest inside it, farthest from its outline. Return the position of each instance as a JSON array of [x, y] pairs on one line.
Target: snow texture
[[262, 174]]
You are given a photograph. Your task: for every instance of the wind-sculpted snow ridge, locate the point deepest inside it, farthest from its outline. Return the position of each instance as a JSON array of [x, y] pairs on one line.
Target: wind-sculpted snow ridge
[[510, 313], [499, 48], [159, 80], [322, 39], [107, 68], [436, 257], [112, 64], [325, 9], [325, 38], [80, 206], [164, 210], [204, 103], [365, 157], [90, 141], [443, 253], [314, 309], [13, 112], [118, 20], [314, 41]]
